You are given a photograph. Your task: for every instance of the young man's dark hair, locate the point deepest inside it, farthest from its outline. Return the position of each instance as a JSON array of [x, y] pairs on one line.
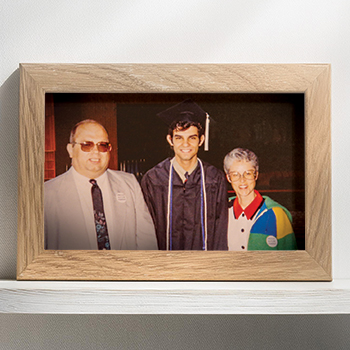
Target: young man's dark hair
[[184, 125]]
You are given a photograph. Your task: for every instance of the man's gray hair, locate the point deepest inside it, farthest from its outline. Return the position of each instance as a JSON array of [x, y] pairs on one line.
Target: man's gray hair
[[239, 154]]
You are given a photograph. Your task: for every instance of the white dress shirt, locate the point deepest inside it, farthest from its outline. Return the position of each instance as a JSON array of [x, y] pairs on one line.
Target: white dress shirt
[[84, 190]]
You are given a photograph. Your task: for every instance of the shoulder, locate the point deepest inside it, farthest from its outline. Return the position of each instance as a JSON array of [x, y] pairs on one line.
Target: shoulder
[[121, 176], [158, 173], [162, 166], [55, 183], [276, 208], [212, 173]]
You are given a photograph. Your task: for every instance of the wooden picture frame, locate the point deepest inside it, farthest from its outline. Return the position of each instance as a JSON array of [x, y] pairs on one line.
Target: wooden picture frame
[[311, 264]]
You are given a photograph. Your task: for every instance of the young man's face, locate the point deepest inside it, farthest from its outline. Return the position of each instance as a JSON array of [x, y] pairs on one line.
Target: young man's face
[[91, 164], [185, 143]]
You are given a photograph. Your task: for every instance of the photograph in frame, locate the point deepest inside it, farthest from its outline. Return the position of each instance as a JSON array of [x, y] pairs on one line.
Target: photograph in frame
[[271, 125], [273, 121]]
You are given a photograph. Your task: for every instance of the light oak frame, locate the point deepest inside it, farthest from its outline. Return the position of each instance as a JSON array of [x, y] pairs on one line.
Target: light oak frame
[[311, 264]]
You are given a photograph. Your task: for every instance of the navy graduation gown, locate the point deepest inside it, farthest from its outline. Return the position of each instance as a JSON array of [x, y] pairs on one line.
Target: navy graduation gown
[[186, 218]]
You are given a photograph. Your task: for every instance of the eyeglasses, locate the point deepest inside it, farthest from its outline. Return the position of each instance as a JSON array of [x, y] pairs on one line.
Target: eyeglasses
[[88, 146], [248, 175]]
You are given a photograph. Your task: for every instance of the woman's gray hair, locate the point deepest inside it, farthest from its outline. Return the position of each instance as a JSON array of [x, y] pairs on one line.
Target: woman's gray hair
[[239, 154]]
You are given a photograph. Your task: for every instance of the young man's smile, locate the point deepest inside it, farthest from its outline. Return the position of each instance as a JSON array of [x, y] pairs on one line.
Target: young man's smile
[[186, 144]]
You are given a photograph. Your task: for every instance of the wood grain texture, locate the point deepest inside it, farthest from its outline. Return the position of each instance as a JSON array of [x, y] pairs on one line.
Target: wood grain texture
[[30, 238], [312, 264], [318, 241], [175, 297]]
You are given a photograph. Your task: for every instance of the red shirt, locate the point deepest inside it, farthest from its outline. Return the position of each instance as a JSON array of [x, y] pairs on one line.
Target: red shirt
[[251, 209]]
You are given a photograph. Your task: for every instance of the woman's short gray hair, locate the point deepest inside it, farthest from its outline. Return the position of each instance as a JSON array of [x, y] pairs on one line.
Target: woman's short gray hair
[[239, 154]]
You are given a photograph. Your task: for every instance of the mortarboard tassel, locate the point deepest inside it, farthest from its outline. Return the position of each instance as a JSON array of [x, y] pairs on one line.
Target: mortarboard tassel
[[206, 140]]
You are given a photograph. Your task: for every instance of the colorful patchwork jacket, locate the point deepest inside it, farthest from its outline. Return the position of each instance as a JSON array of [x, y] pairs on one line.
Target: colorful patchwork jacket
[[272, 229]]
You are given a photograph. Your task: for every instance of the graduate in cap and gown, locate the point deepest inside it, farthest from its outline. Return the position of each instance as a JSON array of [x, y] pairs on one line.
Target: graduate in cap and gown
[[187, 198]]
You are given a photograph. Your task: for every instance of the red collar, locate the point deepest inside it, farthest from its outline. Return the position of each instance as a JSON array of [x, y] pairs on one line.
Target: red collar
[[251, 208]]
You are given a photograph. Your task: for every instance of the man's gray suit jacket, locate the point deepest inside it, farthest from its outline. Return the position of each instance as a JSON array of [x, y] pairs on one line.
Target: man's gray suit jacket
[[65, 227]]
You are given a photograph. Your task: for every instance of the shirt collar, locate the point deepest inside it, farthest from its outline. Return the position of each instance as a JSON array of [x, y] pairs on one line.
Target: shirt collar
[[83, 179], [251, 209], [181, 172]]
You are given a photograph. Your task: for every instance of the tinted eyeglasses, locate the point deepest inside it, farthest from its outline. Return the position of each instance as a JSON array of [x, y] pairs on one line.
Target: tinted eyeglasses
[[88, 146]]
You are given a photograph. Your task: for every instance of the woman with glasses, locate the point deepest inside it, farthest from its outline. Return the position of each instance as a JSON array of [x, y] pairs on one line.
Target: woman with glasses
[[255, 222]]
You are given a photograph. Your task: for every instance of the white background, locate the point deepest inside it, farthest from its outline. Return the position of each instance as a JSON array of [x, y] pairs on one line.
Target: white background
[[206, 31]]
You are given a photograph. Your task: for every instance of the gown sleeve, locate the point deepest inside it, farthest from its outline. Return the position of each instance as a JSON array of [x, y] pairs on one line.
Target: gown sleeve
[[221, 220]]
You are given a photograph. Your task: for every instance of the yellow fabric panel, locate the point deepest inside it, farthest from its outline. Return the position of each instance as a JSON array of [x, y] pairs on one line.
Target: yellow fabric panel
[[284, 227]]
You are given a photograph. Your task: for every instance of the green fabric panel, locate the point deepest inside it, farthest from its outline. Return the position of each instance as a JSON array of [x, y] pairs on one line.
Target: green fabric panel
[[287, 243], [257, 241]]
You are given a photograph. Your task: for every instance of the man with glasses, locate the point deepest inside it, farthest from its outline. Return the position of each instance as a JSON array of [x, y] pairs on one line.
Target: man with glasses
[[92, 207]]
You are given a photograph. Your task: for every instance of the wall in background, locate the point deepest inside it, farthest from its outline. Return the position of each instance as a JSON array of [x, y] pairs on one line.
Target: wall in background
[[239, 31]]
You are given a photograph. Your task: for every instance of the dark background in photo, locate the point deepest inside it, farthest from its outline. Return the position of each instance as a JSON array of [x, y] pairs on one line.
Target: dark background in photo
[[271, 125]]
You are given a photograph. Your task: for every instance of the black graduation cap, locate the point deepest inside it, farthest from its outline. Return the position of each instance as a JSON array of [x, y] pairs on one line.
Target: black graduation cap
[[187, 111]]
